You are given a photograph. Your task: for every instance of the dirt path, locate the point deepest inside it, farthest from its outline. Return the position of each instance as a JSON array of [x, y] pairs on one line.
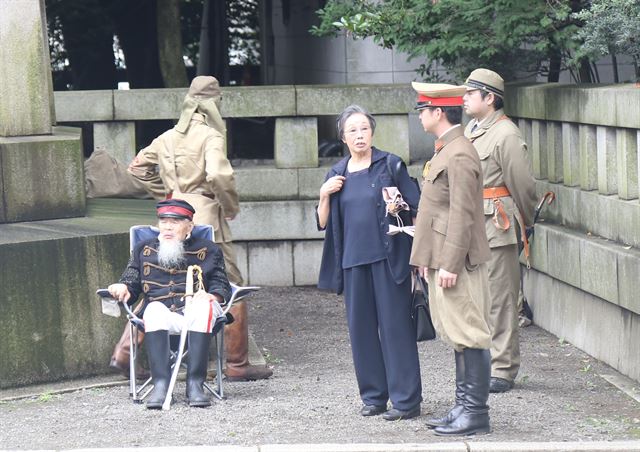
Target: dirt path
[[312, 397]]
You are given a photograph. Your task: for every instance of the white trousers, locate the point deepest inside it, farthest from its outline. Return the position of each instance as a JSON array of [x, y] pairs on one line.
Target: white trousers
[[199, 316]]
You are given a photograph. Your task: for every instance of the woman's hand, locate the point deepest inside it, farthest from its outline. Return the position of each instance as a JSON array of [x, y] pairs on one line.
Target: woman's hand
[[332, 185]]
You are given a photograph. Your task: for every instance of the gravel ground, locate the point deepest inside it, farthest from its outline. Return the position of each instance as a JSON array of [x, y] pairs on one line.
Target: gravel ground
[[312, 396]]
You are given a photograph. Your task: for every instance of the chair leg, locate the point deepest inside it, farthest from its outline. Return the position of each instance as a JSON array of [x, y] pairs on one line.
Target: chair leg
[[198, 360], [157, 344]]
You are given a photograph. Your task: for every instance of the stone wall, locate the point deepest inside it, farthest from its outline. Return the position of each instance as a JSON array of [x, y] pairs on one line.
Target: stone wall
[[584, 283]]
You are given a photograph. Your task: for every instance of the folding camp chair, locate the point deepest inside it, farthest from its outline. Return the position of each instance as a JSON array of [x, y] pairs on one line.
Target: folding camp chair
[[139, 392]]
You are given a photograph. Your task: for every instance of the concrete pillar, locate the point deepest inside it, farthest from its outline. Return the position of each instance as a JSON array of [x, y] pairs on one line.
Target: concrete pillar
[[554, 152], [41, 173], [296, 142], [570, 154], [607, 160], [117, 138], [392, 135], [42, 176], [627, 151], [25, 72], [538, 149], [588, 157]]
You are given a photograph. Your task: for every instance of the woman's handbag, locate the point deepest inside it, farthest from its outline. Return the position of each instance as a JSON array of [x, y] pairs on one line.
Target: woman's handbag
[[420, 312]]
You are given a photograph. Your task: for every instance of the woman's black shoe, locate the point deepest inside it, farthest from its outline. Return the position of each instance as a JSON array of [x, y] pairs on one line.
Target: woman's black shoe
[[396, 415], [372, 410]]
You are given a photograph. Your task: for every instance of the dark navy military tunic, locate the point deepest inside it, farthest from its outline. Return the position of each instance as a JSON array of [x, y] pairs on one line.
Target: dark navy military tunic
[[145, 276]]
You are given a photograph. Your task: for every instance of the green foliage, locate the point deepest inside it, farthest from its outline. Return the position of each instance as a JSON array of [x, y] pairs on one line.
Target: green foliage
[[610, 27], [504, 35]]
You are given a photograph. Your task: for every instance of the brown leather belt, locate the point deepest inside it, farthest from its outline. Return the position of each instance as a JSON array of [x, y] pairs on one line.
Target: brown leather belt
[[500, 217], [495, 192]]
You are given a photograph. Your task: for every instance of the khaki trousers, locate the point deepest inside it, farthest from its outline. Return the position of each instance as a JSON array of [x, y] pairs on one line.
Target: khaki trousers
[[504, 286], [460, 314]]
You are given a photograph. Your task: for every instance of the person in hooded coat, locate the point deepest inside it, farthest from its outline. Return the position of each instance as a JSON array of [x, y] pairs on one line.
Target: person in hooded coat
[[190, 163]]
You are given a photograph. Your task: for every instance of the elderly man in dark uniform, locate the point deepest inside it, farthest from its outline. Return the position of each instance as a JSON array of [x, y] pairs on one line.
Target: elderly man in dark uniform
[[509, 197], [189, 161], [157, 270], [450, 248]]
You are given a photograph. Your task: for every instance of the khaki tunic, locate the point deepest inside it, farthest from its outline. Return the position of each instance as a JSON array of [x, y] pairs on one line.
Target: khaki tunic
[[503, 155], [450, 235], [193, 166]]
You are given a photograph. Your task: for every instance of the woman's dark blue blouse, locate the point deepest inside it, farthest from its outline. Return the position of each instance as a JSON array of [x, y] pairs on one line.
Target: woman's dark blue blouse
[[340, 248], [362, 243]]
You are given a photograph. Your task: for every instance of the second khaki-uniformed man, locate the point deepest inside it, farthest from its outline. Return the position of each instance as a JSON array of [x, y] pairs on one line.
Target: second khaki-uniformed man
[[190, 162], [509, 197], [451, 249]]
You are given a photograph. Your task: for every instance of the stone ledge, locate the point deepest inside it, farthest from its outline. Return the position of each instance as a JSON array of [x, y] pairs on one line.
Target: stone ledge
[[84, 105], [332, 99], [600, 267], [268, 183], [576, 103], [606, 216]]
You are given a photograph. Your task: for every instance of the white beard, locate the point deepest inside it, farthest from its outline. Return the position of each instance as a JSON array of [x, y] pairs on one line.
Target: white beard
[[171, 253]]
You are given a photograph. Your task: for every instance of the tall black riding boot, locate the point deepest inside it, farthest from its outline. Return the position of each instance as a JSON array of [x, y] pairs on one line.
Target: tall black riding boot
[[475, 415], [458, 407], [157, 346], [198, 359]]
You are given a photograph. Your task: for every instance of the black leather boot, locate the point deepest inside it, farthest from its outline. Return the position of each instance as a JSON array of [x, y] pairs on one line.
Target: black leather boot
[[475, 414], [198, 359], [458, 407], [157, 346]]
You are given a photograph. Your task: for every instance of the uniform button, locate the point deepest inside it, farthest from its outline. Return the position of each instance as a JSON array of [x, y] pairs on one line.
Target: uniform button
[[373, 185], [382, 223], [386, 243], [379, 204]]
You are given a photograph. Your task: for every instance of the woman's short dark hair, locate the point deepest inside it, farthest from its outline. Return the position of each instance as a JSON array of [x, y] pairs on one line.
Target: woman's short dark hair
[[352, 110], [498, 103]]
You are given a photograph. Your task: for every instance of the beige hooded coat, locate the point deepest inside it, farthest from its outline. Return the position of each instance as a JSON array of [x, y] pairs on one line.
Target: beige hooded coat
[[190, 161]]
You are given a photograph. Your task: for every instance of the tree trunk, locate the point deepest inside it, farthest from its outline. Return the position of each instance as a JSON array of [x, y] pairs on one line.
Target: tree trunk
[[614, 64], [214, 41], [585, 72], [555, 63], [174, 73], [137, 29], [88, 40], [204, 60]]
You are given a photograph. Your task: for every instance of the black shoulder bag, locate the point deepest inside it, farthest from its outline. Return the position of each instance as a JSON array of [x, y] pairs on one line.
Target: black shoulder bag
[[420, 312]]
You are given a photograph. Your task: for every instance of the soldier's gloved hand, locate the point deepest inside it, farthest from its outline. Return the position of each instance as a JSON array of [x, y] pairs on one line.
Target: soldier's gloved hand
[[120, 292]]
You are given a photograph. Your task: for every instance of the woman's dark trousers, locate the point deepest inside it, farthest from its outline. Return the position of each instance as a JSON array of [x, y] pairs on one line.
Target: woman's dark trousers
[[383, 343]]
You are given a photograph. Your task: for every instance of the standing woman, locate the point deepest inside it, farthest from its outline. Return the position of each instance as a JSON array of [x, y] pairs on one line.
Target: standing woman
[[372, 268]]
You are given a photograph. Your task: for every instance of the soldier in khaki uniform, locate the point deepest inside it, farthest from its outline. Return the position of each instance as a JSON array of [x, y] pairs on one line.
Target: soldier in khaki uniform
[[509, 197], [451, 249], [190, 163]]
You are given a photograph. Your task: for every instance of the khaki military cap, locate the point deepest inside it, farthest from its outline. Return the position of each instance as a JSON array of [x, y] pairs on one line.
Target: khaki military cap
[[485, 80], [438, 95], [204, 86]]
